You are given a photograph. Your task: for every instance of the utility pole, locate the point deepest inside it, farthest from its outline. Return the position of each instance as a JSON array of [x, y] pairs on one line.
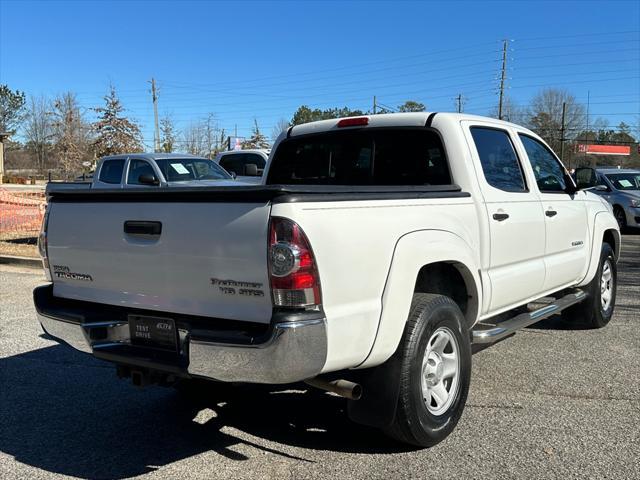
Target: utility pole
[[156, 133], [586, 135], [562, 127], [459, 103], [374, 105], [502, 77]]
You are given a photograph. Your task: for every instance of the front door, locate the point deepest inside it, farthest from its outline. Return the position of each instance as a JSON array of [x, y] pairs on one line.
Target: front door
[[567, 243]]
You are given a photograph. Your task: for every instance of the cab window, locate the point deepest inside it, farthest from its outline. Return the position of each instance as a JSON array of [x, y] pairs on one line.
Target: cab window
[[500, 163], [111, 171], [549, 173]]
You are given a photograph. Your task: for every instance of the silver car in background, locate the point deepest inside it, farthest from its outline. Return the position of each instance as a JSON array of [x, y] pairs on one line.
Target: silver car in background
[[620, 187]]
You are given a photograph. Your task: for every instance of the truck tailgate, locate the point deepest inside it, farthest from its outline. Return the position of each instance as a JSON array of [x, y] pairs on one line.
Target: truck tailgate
[[209, 259]]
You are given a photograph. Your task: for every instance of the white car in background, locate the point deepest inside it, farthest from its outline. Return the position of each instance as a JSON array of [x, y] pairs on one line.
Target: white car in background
[[246, 165]]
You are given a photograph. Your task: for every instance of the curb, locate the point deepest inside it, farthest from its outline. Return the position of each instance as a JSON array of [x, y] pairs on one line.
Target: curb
[[20, 261]]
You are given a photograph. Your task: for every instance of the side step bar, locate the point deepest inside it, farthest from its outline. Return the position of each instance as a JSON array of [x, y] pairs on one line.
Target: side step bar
[[487, 334]]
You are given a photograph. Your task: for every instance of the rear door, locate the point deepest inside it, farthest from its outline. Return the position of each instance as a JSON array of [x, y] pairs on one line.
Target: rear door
[[567, 242], [516, 222], [189, 256]]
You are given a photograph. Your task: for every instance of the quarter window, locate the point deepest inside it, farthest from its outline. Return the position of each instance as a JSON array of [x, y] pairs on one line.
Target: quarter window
[[549, 173], [111, 171], [499, 160]]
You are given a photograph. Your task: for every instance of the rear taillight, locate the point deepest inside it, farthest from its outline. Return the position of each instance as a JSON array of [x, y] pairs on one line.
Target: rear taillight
[[292, 267], [43, 247]]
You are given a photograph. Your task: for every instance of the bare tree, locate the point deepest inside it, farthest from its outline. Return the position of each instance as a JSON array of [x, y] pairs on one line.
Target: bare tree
[[193, 138], [210, 134], [38, 130], [281, 125], [545, 116], [71, 134], [202, 138], [167, 134], [511, 112]]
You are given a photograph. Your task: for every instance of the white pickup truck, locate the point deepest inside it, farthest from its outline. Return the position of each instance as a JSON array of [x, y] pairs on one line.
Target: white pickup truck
[[377, 253]]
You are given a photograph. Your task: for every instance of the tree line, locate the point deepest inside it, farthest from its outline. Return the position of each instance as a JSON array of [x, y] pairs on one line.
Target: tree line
[[57, 135]]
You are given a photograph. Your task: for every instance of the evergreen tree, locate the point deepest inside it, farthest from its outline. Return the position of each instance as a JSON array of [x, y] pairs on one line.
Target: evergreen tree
[[114, 132], [257, 139], [12, 110], [411, 106]]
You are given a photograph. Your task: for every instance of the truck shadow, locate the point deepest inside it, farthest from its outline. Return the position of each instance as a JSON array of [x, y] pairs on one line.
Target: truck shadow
[[65, 412]]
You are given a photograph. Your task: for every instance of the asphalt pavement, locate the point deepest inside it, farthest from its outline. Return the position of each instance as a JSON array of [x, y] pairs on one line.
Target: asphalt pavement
[[555, 401]]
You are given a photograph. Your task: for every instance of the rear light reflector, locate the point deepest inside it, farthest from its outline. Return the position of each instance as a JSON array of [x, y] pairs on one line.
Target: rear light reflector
[[43, 246], [353, 122], [294, 275]]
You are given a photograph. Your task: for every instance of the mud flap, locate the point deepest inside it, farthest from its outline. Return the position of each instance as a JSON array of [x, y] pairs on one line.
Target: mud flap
[[380, 390]]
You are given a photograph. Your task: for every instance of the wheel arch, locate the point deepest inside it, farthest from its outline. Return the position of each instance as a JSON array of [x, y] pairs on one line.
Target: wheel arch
[[605, 230], [426, 261]]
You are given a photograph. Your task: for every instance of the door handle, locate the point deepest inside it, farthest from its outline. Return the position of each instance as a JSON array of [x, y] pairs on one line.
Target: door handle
[[138, 227], [500, 216], [550, 213]]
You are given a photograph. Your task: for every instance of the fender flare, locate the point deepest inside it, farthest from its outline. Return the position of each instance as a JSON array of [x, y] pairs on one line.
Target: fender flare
[[413, 251], [603, 222]]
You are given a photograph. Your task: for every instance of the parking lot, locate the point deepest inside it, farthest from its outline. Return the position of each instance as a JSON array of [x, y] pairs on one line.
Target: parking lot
[[555, 401]]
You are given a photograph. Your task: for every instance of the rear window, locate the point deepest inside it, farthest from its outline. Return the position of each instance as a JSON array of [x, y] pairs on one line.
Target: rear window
[[362, 157], [111, 171]]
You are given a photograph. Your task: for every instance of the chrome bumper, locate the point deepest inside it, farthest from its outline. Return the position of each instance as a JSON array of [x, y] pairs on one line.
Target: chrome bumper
[[294, 350]]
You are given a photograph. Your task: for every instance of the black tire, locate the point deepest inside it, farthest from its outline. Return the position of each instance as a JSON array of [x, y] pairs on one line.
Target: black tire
[[591, 312], [413, 422], [621, 217]]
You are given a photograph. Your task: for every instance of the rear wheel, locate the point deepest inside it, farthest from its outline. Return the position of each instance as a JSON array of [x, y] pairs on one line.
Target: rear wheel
[[597, 309], [435, 357]]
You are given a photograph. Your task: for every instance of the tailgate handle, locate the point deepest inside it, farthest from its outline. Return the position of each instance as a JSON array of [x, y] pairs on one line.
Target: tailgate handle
[[137, 227]]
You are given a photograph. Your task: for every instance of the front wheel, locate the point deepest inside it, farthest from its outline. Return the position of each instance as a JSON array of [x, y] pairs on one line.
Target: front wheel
[[435, 371], [596, 310]]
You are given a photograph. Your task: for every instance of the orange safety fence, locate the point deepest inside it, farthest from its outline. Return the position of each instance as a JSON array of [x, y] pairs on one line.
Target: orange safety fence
[[21, 212]]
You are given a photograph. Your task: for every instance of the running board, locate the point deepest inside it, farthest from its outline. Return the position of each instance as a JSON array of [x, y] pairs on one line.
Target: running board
[[493, 333]]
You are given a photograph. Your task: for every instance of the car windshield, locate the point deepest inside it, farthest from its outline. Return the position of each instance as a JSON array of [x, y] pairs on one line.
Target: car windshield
[[187, 169], [625, 181]]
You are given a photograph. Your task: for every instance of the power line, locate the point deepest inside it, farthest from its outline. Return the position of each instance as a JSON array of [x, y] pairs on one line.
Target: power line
[[591, 34]]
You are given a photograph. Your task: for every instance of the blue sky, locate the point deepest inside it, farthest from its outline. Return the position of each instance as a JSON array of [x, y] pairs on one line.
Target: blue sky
[[246, 60]]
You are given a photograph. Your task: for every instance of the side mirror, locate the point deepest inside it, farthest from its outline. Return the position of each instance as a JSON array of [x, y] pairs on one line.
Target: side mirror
[[585, 178], [251, 170], [601, 188], [147, 179]]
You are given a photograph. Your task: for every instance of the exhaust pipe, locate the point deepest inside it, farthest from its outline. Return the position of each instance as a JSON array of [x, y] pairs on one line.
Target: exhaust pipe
[[344, 388]]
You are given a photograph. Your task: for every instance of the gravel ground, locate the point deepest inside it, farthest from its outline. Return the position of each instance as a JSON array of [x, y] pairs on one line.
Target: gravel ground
[[552, 402]]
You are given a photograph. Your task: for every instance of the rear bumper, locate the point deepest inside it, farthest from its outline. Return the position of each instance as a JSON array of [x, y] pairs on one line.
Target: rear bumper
[[294, 347]]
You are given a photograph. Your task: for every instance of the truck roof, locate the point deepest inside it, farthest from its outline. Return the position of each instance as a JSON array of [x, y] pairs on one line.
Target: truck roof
[[249, 150], [152, 156], [610, 170], [414, 119]]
